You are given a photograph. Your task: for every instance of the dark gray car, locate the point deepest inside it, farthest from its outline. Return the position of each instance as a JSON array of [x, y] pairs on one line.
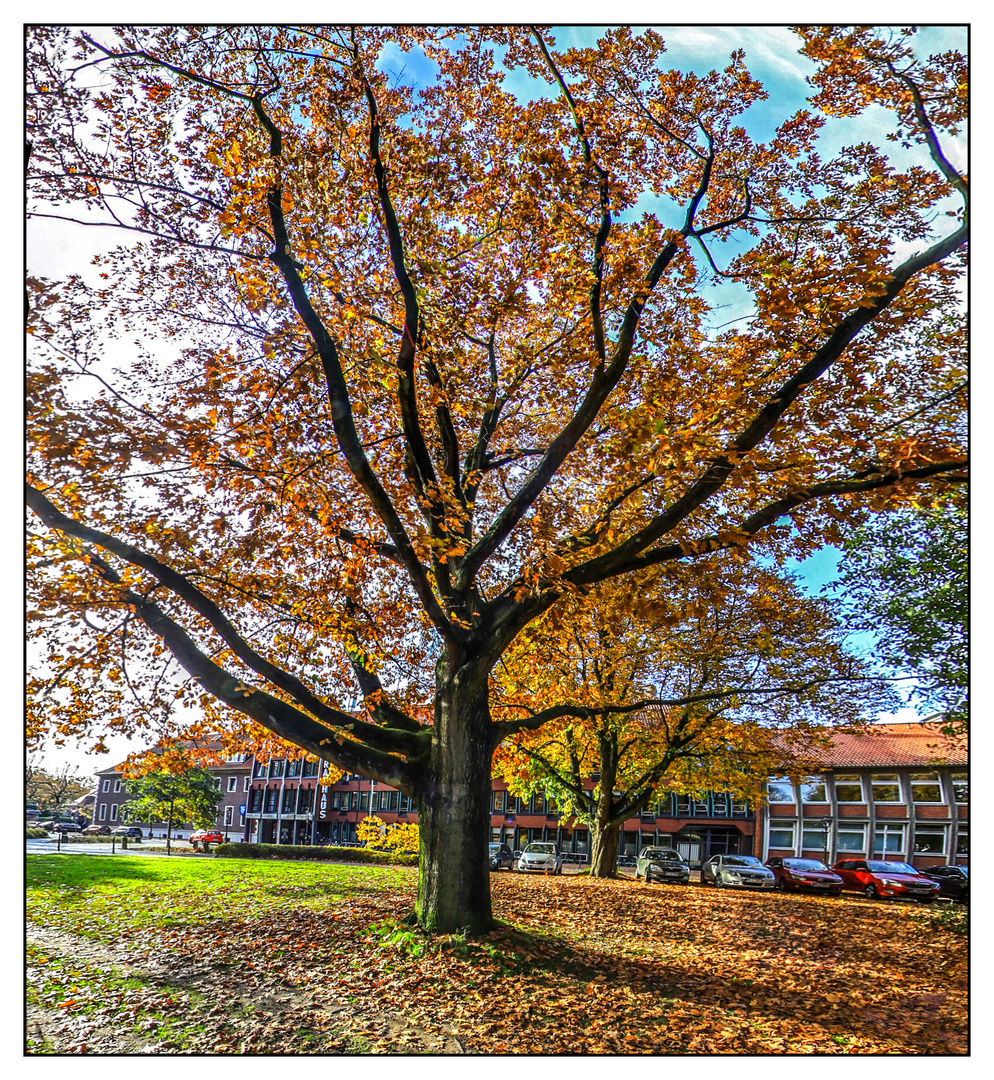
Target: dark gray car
[[661, 864], [745, 871], [501, 855]]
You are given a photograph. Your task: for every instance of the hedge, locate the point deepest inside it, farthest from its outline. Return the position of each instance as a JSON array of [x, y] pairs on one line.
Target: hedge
[[35, 834], [310, 852]]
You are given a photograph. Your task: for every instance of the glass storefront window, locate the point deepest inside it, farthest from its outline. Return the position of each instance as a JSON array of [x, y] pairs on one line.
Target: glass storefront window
[[930, 841], [848, 788], [780, 790], [782, 837], [886, 788], [925, 788], [814, 791], [888, 839], [851, 839]]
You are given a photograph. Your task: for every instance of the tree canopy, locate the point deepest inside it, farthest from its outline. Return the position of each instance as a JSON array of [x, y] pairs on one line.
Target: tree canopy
[[378, 374], [904, 577], [727, 679]]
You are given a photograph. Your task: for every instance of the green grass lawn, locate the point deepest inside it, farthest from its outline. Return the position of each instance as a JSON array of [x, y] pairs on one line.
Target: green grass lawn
[[136, 954]]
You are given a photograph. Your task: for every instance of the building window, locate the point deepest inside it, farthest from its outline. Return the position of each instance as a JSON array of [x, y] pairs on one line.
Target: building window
[[780, 789], [117, 786], [851, 838], [311, 768], [888, 839], [293, 769], [925, 788], [271, 801], [963, 840], [232, 783], [106, 786], [814, 791], [289, 799], [740, 808], [103, 811], [886, 787], [306, 803], [229, 816], [259, 769], [217, 782], [961, 788], [817, 838], [782, 836], [930, 841], [848, 788], [113, 812], [248, 783], [276, 767]]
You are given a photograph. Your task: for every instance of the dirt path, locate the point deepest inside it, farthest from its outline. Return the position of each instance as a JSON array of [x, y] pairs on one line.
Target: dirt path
[[94, 997]]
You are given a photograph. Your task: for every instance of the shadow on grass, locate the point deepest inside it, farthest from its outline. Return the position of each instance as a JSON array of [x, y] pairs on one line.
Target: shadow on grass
[[82, 871]]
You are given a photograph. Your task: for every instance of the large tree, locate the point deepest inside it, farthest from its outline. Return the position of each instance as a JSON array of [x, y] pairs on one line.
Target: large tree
[[713, 679], [190, 796], [379, 374]]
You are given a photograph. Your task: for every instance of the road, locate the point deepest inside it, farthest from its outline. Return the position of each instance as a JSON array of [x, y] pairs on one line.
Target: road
[[49, 847]]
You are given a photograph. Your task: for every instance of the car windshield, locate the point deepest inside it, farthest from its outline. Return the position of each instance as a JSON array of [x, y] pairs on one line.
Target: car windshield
[[741, 860], [891, 867], [804, 864], [964, 870], [540, 849], [663, 853]]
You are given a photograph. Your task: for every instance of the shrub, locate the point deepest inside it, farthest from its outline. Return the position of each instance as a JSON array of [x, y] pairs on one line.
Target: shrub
[[310, 852], [33, 833]]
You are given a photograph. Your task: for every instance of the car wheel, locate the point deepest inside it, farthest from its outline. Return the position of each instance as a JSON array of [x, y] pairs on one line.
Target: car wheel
[[782, 885], [718, 883], [870, 892]]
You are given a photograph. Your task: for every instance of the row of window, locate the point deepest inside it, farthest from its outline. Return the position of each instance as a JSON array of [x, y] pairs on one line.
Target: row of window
[[887, 838], [714, 804], [278, 767], [232, 784], [884, 788]]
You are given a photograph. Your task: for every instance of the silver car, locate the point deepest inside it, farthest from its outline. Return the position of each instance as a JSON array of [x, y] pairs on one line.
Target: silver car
[[661, 864], [541, 858], [745, 871]]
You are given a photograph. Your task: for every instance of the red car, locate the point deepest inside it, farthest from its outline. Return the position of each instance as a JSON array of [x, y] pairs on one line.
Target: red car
[[795, 874], [875, 878], [206, 837]]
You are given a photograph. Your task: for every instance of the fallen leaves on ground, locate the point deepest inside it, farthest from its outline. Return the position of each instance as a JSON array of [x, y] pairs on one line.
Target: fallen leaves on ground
[[287, 958]]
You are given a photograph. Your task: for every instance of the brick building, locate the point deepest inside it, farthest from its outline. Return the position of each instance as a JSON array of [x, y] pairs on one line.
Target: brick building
[[233, 779], [893, 791], [898, 791]]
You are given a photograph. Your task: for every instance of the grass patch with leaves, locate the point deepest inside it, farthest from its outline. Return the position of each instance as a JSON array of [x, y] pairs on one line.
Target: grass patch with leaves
[[575, 965]]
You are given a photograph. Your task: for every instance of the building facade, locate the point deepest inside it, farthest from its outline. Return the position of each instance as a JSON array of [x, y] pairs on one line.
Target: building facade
[[233, 779], [892, 791]]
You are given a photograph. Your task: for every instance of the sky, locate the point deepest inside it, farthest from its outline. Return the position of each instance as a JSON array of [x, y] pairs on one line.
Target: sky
[[771, 55]]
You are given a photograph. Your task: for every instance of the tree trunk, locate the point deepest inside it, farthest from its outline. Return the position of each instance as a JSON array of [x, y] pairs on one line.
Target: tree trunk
[[604, 829], [604, 850], [454, 810]]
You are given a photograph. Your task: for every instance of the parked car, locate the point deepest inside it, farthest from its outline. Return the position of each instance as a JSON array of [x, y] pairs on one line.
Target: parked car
[[131, 831], [97, 830], [661, 864], [794, 875], [205, 837], [954, 881], [542, 858], [744, 870], [64, 826], [626, 860], [878, 879], [501, 855]]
